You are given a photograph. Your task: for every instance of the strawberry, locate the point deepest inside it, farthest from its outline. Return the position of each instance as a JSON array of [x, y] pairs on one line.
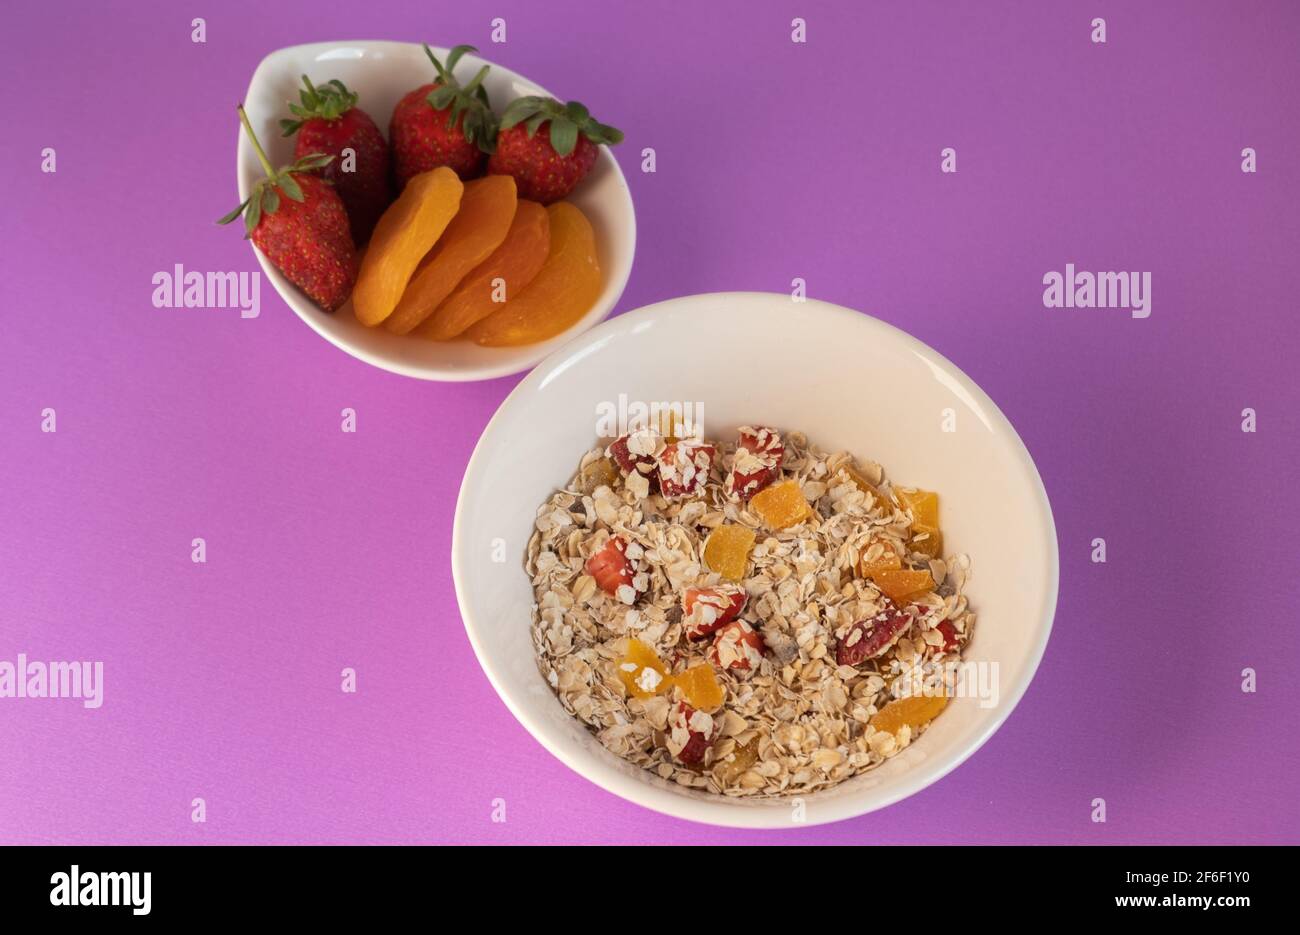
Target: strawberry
[[868, 639], [706, 609], [684, 467], [617, 569], [329, 121], [635, 454], [690, 733], [547, 146], [949, 634], [298, 221], [443, 124], [737, 647], [757, 461]]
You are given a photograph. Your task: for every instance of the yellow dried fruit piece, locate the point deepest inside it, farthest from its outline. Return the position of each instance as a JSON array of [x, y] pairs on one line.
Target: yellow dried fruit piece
[[565, 289], [781, 505], [486, 212], [599, 473], [903, 586], [727, 551], [886, 561], [701, 687], [914, 711], [406, 232], [924, 505], [637, 661], [743, 757], [927, 540], [867, 487], [511, 267]]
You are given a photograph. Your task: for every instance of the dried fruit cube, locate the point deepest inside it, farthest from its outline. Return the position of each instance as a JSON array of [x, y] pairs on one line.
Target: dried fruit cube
[[757, 461], [641, 671], [875, 560], [949, 633], [781, 505], [706, 609], [684, 468], [635, 453], [914, 711], [873, 637], [737, 647], [924, 505], [701, 687], [727, 549], [599, 472], [740, 760], [904, 585], [856, 475], [690, 733], [617, 568], [927, 540]]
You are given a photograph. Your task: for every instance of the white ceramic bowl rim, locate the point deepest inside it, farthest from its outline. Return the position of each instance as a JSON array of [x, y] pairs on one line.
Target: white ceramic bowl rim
[[721, 810]]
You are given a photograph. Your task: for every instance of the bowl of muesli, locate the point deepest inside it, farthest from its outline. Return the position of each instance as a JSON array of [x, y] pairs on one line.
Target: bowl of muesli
[[701, 556]]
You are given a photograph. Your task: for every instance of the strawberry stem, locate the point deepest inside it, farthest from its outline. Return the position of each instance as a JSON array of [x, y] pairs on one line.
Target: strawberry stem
[[261, 153]]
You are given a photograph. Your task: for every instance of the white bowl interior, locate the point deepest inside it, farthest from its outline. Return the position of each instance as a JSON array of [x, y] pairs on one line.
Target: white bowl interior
[[849, 382], [381, 73]]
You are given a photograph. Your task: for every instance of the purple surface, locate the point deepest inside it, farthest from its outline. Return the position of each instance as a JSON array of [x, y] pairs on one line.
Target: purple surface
[[775, 160]]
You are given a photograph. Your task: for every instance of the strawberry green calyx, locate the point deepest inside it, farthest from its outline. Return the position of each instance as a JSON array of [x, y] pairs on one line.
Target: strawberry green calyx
[[479, 126], [567, 121], [328, 102], [265, 196]]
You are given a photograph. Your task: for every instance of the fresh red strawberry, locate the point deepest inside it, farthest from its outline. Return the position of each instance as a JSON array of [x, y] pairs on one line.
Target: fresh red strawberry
[[868, 639], [635, 452], [737, 647], [329, 121], [298, 221], [547, 146], [949, 633], [684, 467], [757, 462], [690, 733], [706, 609], [443, 124]]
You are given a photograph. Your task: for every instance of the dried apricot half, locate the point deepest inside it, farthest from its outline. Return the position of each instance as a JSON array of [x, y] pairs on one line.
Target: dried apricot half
[[504, 274], [405, 233], [564, 290], [478, 228]]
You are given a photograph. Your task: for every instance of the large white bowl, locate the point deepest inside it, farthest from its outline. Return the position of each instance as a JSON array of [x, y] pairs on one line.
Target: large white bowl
[[849, 382], [381, 73]]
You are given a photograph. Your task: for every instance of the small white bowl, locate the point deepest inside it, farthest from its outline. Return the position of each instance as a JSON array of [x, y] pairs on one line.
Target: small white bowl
[[849, 382], [381, 73]]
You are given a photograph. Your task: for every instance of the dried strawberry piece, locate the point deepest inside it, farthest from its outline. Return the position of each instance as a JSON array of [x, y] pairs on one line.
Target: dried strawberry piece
[[950, 640], [635, 453], [870, 638], [617, 569], [690, 734], [737, 647], [706, 609], [684, 468], [757, 461]]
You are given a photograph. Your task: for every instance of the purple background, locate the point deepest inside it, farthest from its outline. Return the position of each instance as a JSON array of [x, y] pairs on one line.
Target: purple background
[[775, 160]]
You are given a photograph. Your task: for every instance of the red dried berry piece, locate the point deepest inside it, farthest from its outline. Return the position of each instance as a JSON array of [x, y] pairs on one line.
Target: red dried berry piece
[[871, 638], [611, 567], [706, 609], [737, 647], [690, 734], [684, 468], [635, 453], [949, 633], [757, 461]]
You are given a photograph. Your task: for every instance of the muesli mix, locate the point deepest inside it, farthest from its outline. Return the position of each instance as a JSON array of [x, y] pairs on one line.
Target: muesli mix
[[744, 618]]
